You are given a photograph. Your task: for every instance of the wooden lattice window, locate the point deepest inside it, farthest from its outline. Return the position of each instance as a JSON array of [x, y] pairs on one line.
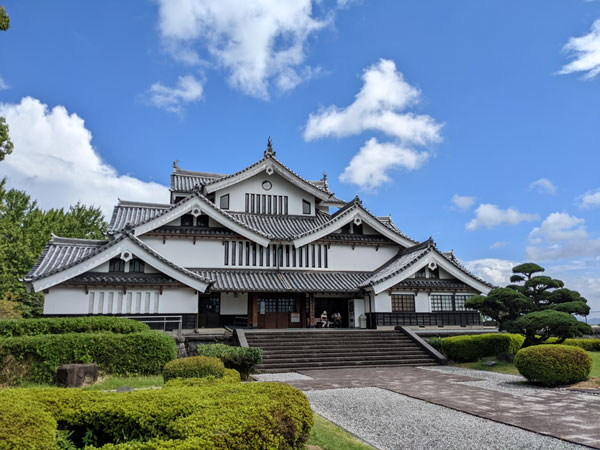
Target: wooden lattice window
[[403, 302]]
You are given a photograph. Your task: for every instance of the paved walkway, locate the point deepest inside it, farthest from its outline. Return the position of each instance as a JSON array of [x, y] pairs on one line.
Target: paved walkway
[[570, 416]]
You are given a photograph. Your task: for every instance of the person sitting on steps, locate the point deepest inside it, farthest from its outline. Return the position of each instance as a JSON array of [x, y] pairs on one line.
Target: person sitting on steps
[[337, 319], [324, 320]]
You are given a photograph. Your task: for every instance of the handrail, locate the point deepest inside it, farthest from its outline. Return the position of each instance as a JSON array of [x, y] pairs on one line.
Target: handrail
[[160, 319]]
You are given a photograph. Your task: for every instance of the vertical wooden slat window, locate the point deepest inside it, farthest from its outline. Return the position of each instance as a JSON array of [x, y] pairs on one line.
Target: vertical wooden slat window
[[226, 246], [269, 200], [264, 204], [274, 255], [312, 256], [325, 248], [285, 205], [280, 204], [300, 257], [274, 204], [319, 253], [233, 259], [287, 256], [260, 255], [247, 253], [306, 256], [280, 256], [267, 256], [254, 253], [247, 203], [241, 260], [293, 256]]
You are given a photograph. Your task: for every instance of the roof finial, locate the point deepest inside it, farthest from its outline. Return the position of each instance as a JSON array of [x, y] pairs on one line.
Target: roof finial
[[324, 180], [175, 165], [196, 189], [269, 151], [357, 200]]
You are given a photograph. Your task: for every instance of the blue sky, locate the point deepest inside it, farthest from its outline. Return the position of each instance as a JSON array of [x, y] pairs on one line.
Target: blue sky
[[473, 99]]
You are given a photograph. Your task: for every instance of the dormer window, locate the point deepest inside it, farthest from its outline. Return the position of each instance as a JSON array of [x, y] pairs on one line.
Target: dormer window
[[305, 207], [187, 220], [224, 201], [346, 229], [116, 265], [435, 273], [136, 266], [357, 229], [421, 273], [202, 221]]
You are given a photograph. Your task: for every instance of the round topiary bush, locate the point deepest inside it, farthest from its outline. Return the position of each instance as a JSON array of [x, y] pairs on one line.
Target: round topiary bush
[[194, 367], [554, 365]]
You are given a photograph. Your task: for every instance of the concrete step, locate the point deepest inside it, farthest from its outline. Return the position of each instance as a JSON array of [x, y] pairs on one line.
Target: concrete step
[[345, 364], [335, 351], [334, 359]]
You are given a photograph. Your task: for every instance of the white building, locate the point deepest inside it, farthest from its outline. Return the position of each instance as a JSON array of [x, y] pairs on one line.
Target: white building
[[262, 247]]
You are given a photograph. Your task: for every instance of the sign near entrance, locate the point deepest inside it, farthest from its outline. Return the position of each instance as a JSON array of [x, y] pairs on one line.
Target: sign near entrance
[[295, 317]]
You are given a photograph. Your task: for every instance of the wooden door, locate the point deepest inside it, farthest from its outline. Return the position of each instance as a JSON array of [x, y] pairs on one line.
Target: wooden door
[[209, 311]]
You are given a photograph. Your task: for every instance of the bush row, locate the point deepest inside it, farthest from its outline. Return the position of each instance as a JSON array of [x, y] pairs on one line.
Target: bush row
[[64, 325], [215, 416], [474, 347], [229, 376], [554, 364], [194, 367], [591, 345], [242, 359], [143, 353]]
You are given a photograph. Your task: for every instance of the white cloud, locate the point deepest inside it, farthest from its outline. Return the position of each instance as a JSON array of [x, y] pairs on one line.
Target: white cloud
[[55, 162], [378, 106], [544, 186], [3, 84], [256, 41], [585, 53], [498, 244], [369, 167], [590, 199], [488, 215], [496, 271], [187, 90], [463, 202], [561, 236]]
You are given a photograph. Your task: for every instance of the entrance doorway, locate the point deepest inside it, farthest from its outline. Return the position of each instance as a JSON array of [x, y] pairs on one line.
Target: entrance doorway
[[209, 311], [278, 312], [333, 305]]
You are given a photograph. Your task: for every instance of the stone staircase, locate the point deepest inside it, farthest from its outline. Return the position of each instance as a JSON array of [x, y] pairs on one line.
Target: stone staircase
[[285, 351]]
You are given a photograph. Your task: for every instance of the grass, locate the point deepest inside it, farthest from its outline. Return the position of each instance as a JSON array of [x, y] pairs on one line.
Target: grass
[[329, 436], [113, 382]]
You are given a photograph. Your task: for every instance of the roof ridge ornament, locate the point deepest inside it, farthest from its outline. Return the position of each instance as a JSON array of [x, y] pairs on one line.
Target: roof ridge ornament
[[196, 189], [357, 200], [176, 166], [269, 152]]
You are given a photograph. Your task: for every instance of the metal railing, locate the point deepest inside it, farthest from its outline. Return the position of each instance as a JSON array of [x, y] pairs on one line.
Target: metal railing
[[164, 320], [442, 318], [240, 321]]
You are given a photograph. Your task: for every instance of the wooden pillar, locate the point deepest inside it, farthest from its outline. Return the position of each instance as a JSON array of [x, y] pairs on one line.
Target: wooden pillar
[[253, 300], [311, 310]]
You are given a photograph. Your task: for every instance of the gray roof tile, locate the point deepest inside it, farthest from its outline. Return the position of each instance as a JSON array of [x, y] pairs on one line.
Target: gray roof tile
[[186, 180], [133, 213]]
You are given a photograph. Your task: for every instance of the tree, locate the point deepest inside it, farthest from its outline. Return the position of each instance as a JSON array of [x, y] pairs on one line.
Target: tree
[[24, 231], [539, 307], [6, 146]]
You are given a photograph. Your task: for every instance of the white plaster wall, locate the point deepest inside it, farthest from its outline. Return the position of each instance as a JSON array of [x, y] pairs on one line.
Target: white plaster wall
[[102, 267], [232, 305], [206, 253], [383, 302], [66, 301], [178, 301], [343, 257], [253, 185], [422, 303], [359, 309], [444, 275]]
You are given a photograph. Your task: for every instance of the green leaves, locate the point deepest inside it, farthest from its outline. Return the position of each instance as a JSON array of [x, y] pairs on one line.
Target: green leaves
[[6, 145], [4, 21]]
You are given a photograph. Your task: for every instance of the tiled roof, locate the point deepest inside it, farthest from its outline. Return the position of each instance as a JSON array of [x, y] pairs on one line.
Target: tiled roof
[[133, 213], [101, 278], [282, 227], [232, 280], [185, 180], [60, 252], [193, 231], [432, 283], [401, 262]]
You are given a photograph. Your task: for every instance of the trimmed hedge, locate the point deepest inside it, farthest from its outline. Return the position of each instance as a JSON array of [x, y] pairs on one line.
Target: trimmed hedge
[[121, 354], [25, 425], [216, 416], [591, 345], [64, 325], [229, 376], [554, 364], [470, 348], [194, 367], [242, 359]]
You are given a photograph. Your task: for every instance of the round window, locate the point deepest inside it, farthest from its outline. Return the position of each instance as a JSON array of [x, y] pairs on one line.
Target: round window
[[267, 185]]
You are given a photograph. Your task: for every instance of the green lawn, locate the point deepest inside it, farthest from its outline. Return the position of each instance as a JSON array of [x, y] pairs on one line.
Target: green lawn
[[113, 382], [596, 365], [329, 436]]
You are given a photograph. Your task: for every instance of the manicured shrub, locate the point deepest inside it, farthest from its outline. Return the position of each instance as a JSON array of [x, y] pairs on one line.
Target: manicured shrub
[[25, 425], [554, 364], [230, 376], [473, 347], [215, 416], [242, 359], [194, 367], [143, 353], [591, 345], [435, 342], [64, 325]]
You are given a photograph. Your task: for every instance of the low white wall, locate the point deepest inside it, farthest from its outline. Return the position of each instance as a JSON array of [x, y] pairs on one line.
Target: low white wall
[[66, 301], [422, 302], [383, 302], [231, 305]]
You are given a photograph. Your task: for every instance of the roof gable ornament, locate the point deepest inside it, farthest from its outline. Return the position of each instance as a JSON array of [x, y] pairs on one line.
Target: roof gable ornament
[[269, 152], [175, 165]]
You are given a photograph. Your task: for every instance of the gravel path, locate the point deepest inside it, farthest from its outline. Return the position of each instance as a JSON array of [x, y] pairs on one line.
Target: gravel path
[[388, 420], [283, 377]]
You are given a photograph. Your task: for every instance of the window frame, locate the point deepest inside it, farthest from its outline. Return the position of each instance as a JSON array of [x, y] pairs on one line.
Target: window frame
[[306, 207], [224, 199]]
